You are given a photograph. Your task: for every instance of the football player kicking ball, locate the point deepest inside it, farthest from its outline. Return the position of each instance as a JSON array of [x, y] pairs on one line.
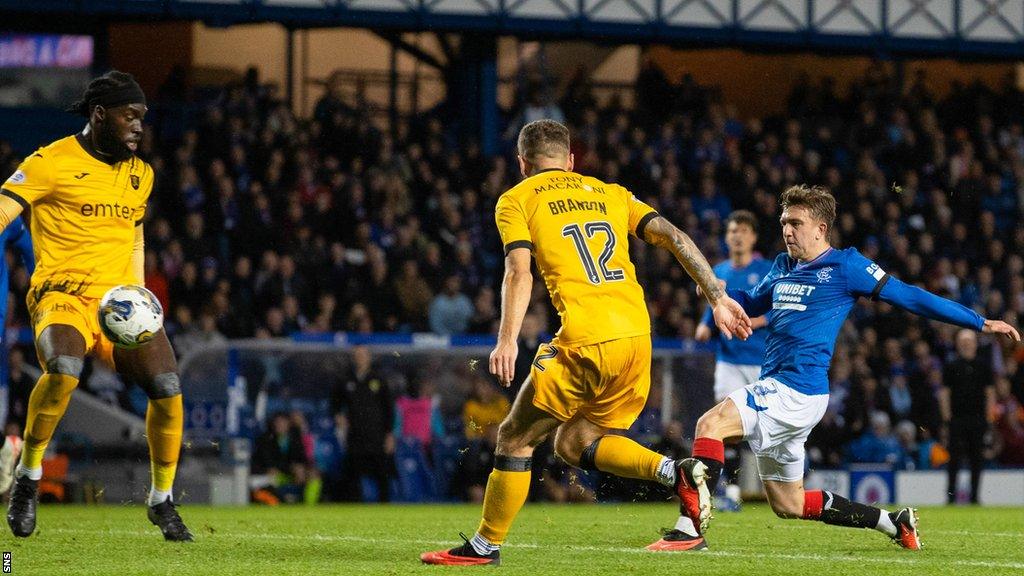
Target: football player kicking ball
[[807, 295], [88, 196], [593, 378]]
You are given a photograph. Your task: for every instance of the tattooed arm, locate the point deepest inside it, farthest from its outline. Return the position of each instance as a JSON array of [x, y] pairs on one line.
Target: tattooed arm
[[729, 316], [660, 232]]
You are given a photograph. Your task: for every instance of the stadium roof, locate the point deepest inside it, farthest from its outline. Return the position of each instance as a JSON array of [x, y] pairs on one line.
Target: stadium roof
[[964, 28]]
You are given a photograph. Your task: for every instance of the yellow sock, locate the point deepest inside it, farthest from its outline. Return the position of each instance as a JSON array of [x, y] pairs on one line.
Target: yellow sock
[[507, 488], [46, 406], [164, 421], [623, 457]]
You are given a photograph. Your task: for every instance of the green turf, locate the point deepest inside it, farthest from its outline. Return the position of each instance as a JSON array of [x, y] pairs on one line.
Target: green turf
[[547, 539]]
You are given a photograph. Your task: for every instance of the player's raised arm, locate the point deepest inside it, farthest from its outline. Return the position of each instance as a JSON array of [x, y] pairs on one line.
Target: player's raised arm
[[867, 279], [729, 315], [924, 303]]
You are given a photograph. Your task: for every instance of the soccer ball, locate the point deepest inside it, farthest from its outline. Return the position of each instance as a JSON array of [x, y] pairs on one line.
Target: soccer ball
[[130, 316]]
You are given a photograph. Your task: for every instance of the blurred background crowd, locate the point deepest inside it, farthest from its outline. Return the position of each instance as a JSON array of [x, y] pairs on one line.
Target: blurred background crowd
[[263, 225]]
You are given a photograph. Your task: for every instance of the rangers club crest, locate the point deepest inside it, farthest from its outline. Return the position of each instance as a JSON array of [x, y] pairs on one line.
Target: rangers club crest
[[135, 181], [824, 274]]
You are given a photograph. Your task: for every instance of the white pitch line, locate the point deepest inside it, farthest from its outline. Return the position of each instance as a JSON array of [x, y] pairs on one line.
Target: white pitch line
[[925, 531], [765, 554], [972, 533]]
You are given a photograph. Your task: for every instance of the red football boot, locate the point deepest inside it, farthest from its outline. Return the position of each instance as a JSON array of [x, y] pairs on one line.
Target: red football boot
[[694, 503], [906, 528], [463, 555]]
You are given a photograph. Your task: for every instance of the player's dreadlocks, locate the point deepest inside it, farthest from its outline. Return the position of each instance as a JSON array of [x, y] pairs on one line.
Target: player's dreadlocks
[[110, 90]]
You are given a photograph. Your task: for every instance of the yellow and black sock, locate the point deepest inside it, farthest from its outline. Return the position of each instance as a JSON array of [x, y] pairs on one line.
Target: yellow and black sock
[[507, 489]]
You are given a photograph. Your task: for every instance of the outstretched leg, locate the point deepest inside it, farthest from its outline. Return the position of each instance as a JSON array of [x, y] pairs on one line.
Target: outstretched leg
[[789, 500]]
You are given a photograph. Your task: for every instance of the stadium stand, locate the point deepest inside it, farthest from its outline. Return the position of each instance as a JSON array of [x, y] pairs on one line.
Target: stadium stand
[[265, 225]]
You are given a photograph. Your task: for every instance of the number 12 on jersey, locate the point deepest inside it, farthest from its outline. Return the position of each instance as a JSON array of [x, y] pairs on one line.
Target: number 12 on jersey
[[592, 268]]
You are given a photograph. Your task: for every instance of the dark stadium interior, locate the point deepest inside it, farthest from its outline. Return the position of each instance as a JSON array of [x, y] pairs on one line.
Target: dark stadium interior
[[266, 223], [263, 224]]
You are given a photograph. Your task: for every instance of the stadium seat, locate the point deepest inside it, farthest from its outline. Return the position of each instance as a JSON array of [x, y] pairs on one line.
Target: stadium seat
[[446, 451], [415, 481]]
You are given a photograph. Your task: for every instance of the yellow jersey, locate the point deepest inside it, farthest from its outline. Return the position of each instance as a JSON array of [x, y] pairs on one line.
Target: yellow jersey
[[84, 213], [577, 228]]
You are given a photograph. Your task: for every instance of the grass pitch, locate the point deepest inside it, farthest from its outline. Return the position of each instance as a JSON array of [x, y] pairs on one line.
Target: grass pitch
[[546, 539]]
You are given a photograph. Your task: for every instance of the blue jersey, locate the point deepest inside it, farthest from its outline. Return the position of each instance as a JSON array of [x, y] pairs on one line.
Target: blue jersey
[[15, 234], [748, 352], [808, 302]]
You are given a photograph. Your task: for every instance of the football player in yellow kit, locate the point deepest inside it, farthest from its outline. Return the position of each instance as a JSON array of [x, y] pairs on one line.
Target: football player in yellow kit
[[87, 195], [592, 379]]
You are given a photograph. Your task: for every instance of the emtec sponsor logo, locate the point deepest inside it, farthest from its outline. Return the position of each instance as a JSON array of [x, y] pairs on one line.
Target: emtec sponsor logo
[[109, 211]]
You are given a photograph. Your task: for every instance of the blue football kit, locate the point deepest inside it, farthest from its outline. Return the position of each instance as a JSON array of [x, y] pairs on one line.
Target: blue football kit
[[808, 302], [749, 352], [16, 235]]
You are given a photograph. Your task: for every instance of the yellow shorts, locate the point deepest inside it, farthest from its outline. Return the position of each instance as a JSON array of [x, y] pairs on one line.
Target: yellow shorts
[[79, 312], [606, 383]]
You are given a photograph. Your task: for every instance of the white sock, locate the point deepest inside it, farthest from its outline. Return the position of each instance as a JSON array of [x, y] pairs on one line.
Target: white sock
[[32, 473], [482, 545], [158, 496], [666, 473], [885, 524], [685, 525]]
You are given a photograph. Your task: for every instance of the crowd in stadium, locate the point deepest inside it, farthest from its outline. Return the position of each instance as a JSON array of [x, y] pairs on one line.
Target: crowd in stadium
[[262, 224]]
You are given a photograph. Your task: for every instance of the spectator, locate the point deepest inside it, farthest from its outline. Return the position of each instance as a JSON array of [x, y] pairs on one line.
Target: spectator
[[107, 385], [313, 484], [865, 399], [413, 294], [481, 415], [156, 281], [484, 410], [1009, 425], [278, 463], [418, 413], [485, 313], [966, 396], [294, 320], [877, 444], [825, 443], [916, 455], [202, 337], [363, 411], [451, 310]]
